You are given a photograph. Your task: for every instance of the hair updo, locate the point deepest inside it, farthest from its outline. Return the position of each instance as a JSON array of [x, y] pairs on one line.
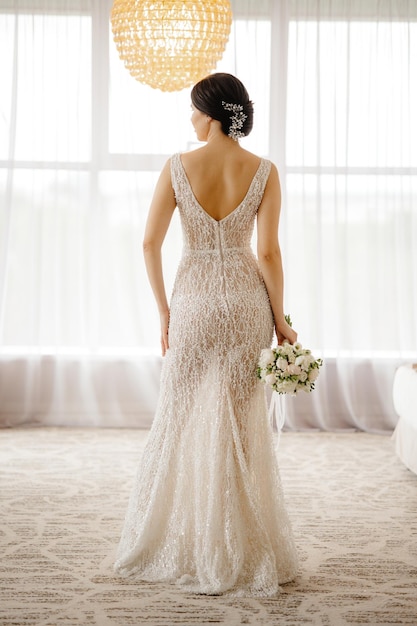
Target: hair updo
[[210, 94]]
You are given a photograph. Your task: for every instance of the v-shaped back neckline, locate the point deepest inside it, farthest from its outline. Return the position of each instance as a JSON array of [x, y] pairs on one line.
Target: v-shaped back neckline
[[231, 212]]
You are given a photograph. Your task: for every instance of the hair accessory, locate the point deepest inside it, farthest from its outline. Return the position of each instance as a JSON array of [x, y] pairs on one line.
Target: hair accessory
[[237, 119]]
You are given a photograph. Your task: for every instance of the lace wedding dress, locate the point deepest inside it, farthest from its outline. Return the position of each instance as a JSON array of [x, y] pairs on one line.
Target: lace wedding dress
[[207, 509]]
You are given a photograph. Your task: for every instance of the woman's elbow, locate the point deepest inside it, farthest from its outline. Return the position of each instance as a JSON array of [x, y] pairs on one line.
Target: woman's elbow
[[269, 255], [150, 246]]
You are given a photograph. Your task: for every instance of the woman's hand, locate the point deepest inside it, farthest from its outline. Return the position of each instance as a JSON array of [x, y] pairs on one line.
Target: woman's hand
[[164, 331], [285, 332]]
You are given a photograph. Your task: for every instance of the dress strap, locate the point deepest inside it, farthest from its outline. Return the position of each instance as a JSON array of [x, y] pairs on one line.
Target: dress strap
[[176, 172]]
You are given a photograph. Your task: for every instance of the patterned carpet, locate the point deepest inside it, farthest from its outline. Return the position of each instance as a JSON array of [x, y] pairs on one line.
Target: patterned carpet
[[63, 495]]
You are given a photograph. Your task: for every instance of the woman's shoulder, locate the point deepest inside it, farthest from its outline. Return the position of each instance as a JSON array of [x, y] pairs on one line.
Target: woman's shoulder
[[203, 158], [190, 155], [208, 153]]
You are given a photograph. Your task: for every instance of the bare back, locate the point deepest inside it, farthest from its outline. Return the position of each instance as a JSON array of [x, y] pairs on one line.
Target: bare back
[[220, 179]]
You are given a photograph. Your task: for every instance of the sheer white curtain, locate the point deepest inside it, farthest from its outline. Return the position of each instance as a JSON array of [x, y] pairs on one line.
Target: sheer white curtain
[[350, 228], [81, 146]]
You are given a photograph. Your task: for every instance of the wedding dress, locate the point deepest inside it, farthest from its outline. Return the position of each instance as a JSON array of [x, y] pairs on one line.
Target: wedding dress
[[207, 509]]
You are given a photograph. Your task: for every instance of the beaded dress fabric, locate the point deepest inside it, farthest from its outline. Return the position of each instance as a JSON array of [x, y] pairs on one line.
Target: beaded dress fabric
[[207, 509]]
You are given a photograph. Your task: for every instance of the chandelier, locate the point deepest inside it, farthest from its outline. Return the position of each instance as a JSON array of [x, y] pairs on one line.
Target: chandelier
[[170, 45]]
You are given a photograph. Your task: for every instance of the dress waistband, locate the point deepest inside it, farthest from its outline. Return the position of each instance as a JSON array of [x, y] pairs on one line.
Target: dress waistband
[[200, 251]]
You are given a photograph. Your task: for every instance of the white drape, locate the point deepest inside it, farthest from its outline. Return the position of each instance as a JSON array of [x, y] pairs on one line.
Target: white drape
[[81, 146]]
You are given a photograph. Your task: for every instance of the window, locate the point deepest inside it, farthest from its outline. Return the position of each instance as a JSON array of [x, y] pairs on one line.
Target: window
[[350, 176], [82, 143], [81, 146]]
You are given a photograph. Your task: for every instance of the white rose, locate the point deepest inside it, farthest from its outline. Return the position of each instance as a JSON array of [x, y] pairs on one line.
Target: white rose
[[266, 358], [308, 360], [282, 364], [294, 369], [300, 360], [288, 351], [312, 376], [286, 348], [303, 376], [270, 379], [297, 346]]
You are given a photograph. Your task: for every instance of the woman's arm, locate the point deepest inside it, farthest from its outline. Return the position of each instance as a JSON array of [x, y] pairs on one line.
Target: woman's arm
[[160, 213], [269, 254]]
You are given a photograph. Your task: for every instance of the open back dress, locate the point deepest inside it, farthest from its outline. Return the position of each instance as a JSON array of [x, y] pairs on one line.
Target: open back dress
[[207, 509]]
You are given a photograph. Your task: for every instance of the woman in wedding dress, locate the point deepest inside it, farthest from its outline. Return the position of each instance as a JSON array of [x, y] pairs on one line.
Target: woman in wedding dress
[[207, 508]]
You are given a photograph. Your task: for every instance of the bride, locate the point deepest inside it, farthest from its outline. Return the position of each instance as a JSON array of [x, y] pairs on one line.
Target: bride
[[207, 510]]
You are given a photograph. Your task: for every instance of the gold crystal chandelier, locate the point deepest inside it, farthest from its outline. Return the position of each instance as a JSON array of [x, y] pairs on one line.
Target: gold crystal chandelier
[[170, 45]]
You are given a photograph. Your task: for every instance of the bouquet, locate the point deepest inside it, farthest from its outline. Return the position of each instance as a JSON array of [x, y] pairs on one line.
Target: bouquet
[[288, 368]]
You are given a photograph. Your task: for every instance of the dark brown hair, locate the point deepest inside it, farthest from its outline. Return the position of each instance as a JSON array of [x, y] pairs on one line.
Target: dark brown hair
[[208, 94]]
